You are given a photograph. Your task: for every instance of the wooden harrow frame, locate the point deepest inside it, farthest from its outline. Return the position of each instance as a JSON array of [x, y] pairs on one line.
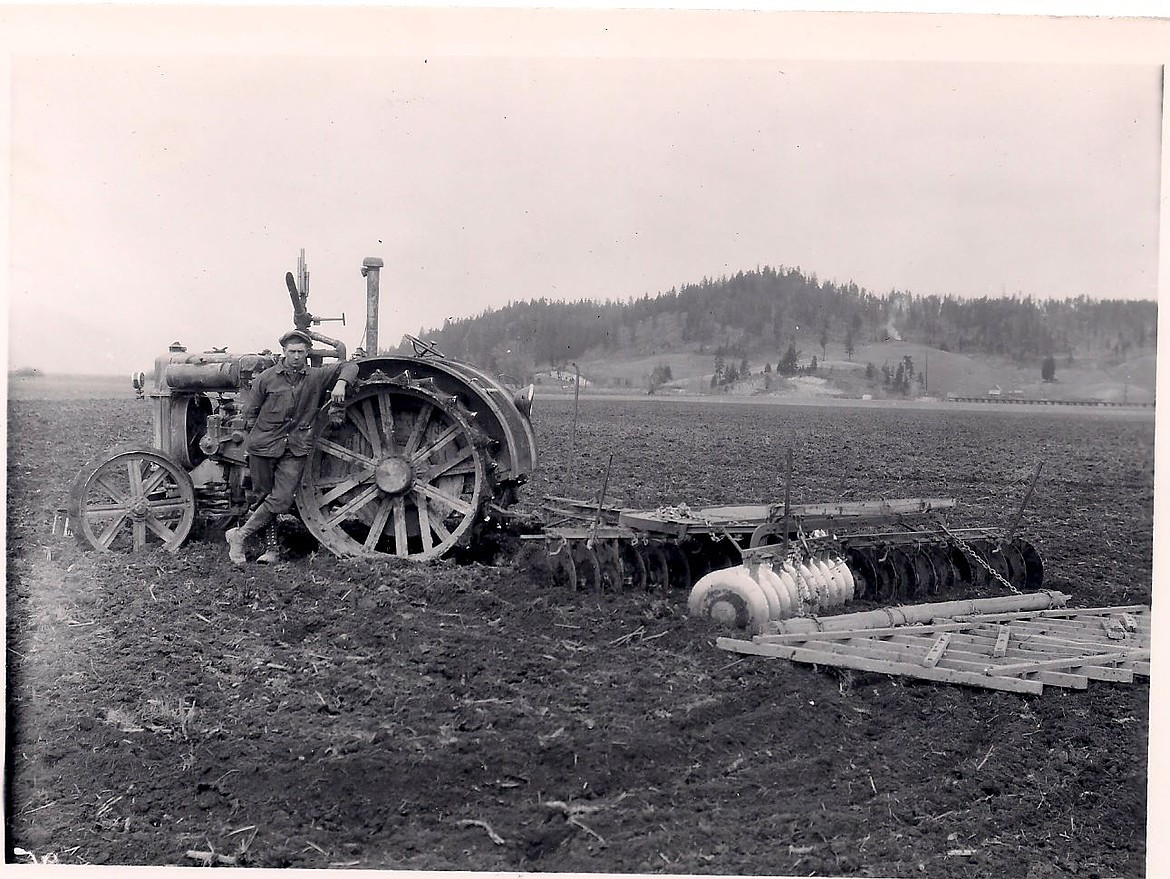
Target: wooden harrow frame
[[1020, 651]]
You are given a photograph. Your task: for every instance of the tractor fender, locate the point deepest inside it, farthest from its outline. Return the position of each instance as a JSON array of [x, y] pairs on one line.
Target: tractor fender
[[491, 407]]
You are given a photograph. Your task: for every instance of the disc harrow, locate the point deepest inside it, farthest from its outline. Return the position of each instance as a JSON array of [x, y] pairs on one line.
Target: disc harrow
[[801, 560]]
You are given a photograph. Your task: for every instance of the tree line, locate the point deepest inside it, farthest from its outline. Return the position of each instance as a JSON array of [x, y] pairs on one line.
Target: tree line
[[773, 309]]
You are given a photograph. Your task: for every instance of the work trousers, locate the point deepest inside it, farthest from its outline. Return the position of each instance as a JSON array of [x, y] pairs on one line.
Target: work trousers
[[275, 480]]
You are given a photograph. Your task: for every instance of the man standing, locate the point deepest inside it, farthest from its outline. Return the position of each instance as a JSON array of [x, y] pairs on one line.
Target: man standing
[[279, 414]]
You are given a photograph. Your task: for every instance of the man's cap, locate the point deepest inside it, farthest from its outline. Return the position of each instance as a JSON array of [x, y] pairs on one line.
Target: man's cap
[[296, 335]]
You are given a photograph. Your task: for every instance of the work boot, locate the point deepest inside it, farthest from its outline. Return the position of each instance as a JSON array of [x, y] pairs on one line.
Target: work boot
[[271, 553], [238, 537]]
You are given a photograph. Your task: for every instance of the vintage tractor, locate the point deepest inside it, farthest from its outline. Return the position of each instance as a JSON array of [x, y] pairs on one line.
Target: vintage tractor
[[411, 466]]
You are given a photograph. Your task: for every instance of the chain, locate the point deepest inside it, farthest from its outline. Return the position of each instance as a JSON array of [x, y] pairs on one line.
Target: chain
[[971, 552]]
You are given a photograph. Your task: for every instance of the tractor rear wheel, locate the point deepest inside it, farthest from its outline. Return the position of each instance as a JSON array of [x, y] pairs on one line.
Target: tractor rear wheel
[[404, 474]]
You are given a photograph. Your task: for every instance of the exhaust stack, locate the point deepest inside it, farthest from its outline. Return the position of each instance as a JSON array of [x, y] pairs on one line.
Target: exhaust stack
[[371, 271]]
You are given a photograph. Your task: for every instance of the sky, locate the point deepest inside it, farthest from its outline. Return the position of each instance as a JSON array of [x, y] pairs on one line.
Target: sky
[[167, 168]]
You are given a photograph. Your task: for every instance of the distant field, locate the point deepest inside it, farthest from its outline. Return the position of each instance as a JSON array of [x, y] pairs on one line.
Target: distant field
[[1135, 411], [70, 387]]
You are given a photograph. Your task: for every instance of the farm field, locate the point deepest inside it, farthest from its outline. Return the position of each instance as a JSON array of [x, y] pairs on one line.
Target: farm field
[[345, 714]]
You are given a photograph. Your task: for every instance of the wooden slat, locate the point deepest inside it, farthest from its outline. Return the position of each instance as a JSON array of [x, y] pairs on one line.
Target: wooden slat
[[641, 522], [959, 657], [1041, 634], [903, 506], [883, 666], [936, 650], [581, 532], [1058, 612], [965, 657], [1099, 660], [843, 634], [1001, 641], [1038, 646], [1090, 626], [970, 657], [1063, 628]]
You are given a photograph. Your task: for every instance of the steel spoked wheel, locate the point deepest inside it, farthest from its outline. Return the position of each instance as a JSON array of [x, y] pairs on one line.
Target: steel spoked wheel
[[402, 476], [133, 500]]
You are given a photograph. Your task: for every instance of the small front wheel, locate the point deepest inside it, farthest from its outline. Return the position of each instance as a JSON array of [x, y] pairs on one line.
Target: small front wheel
[[132, 500]]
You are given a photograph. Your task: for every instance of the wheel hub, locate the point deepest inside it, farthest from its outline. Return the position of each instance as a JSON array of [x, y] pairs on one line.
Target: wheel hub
[[138, 508], [394, 475]]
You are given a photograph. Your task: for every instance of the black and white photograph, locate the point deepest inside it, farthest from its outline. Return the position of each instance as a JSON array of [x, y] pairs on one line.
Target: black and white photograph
[[681, 441]]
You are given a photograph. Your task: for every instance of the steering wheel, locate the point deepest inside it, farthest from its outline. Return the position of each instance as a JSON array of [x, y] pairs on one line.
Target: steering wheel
[[423, 348]]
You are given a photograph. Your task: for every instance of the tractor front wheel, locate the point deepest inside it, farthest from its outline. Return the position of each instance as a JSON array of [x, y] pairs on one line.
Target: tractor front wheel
[[131, 500]]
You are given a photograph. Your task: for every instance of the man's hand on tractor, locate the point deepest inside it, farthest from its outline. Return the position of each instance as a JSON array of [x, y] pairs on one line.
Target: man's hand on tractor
[[338, 395]]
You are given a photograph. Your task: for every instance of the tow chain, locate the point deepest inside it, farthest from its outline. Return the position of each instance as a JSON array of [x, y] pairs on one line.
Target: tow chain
[[971, 552]]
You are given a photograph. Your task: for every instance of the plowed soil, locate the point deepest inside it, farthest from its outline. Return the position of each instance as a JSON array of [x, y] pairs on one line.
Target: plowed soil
[[328, 713]]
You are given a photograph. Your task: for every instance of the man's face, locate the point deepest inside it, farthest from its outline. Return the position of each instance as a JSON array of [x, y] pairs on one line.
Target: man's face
[[295, 354]]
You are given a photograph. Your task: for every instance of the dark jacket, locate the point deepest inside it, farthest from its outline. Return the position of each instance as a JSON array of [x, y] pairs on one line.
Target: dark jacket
[[282, 407]]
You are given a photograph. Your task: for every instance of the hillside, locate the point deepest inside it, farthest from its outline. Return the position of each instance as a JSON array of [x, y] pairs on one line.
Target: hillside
[[780, 332], [961, 375]]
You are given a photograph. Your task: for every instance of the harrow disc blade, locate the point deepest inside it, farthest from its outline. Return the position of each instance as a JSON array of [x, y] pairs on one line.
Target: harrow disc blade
[[888, 582], [562, 573], [657, 567], [990, 550], [885, 585], [925, 576], [698, 554], [550, 564], [1033, 564], [611, 568], [977, 574], [588, 567], [865, 575], [907, 577], [725, 553], [1017, 570], [944, 568], [678, 567], [633, 567], [962, 565]]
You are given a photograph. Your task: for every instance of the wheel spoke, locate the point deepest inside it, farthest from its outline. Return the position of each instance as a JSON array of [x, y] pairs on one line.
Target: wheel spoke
[[420, 423], [387, 413], [139, 526], [113, 491], [400, 548], [448, 469], [353, 506], [346, 485], [134, 471], [457, 504], [436, 524], [439, 443], [380, 519], [107, 537], [159, 527], [100, 511], [340, 451], [359, 417], [368, 408], [155, 480], [424, 521]]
